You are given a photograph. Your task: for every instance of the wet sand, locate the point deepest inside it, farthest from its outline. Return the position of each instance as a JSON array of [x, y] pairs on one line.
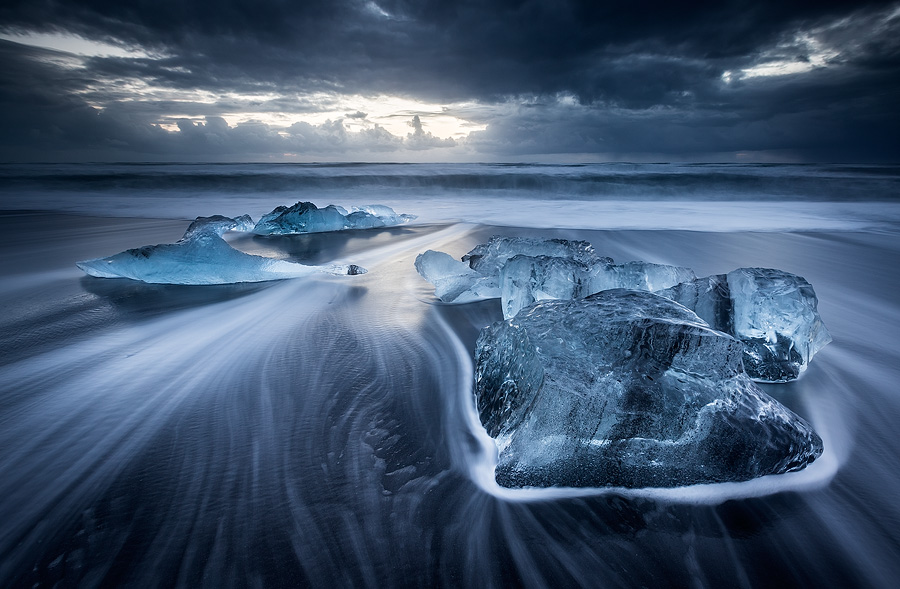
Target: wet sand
[[318, 430]]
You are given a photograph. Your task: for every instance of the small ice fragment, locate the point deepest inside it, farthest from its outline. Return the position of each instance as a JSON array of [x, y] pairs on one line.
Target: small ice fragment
[[454, 281], [627, 388], [201, 256]]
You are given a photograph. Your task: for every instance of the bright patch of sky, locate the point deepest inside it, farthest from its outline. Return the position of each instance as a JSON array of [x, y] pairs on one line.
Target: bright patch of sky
[[72, 44], [392, 113], [809, 54], [358, 113]]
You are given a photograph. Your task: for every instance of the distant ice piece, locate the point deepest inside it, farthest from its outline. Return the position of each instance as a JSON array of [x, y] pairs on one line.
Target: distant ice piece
[[627, 388], [454, 281], [773, 313], [306, 217], [201, 256]]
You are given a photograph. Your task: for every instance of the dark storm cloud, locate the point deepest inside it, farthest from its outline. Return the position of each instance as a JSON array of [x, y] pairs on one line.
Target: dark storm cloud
[[644, 77]]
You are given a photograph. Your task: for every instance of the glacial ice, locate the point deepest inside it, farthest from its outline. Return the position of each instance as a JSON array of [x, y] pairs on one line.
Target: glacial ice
[[627, 388], [526, 279], [525, 270], [488, 258], [477, 276], [773, 313], [637, 276], [202, 256], [306, 217], [454, 281]]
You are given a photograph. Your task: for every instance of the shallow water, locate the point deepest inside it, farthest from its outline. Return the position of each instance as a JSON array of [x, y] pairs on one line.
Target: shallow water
[[321, 430]]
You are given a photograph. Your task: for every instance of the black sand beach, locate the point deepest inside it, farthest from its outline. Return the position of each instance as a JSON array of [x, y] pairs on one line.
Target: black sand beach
[[318, 430]]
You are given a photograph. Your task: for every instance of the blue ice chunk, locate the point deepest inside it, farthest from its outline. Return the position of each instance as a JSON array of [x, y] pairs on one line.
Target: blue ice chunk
[[527, 279], [488, 258], [773, 313], [306, 217], [478, 276], [638, 275], [454, 281], [202, 256], [627, 388]]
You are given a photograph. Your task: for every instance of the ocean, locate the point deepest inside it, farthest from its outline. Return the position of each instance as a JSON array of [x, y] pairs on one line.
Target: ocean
[[321, 431]]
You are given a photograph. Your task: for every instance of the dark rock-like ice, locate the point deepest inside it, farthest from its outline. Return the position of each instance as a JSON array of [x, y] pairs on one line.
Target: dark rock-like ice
[[202, 256], [627, 388], [773, 313], [306, 217]]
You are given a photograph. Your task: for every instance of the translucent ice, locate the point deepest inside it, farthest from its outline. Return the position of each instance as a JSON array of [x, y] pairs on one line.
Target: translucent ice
[[627, 388], [201, 256], [488, 258], [477, 277], [638, 276], [454, 281], [773, 313], [525, 270], [526, 279], [305, 217]]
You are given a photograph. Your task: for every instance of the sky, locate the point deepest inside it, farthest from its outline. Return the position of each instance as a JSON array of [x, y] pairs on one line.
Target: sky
[[450, 81]]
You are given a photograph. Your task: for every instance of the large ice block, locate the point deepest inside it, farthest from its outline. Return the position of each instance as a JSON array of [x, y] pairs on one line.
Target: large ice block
[[773, 313], [627, 388], [201, 256], [306, 217]]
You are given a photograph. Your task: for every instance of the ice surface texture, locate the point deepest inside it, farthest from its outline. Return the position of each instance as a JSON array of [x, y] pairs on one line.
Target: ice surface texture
[[773, 313], [203, 257], [526, 279], [305, 217], [477, 277], [526, 270], [627, 388], [455, 281]]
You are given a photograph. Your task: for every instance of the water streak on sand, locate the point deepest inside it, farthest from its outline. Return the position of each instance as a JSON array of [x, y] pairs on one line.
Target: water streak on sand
[[322, 430]]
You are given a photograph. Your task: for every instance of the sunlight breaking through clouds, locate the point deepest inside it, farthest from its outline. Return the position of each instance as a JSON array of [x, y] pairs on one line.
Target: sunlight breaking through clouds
[[424, 125], [807, 53]]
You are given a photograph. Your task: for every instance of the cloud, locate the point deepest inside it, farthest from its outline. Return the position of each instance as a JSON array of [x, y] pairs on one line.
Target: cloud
[[421, 139], [819, 79]]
